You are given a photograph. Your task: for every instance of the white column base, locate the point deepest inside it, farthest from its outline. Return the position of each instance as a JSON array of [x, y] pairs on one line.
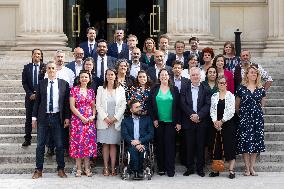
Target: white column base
[[274, 47]]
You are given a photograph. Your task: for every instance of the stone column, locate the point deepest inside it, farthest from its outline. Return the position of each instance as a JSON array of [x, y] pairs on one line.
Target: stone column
[[275, 41], [41, 25], [186, 18]]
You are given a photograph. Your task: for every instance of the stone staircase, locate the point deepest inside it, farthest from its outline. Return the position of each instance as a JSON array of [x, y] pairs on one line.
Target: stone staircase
[[16, 159]]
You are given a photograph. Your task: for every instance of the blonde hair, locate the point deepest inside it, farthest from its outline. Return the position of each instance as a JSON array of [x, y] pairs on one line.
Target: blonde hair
[[245, 80]]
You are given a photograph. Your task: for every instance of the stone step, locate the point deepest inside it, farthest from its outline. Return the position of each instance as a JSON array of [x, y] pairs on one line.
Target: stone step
[[273, 110], [274, 127], [15, 138], [10, 83], [12, 104], [12, 96], [274, 146], [12, 111], [19, 89], [275, 95], [274, 118], [11, 76], [274, 136], [276, 89], [274, 103], [6, 120], [16, 148], [13, 129]]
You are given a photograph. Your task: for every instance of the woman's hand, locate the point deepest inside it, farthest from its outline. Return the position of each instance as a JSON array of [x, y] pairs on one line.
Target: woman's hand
[[84, 120], [107, 121], [91, 119], [156, 123], [178, 127]]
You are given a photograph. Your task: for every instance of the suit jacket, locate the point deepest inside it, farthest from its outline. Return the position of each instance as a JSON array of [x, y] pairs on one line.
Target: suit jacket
[[124, 54], [151, 72], [101, 105], [110, 64], [153, 108], [39, 109], [85, 47], [172, 57], [113, 51], [27, 78], [143, 66], [186, 105], [146, 129], [71, 66], [200, 61]]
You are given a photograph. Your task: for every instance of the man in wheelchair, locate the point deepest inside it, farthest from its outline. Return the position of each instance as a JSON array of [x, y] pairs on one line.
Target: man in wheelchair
[[137, 131]]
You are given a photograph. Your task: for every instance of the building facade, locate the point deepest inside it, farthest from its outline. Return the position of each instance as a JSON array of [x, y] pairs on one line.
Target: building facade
[[58, 24]]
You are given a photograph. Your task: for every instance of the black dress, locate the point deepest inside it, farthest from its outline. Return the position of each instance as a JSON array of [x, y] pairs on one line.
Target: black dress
[[228, 133]]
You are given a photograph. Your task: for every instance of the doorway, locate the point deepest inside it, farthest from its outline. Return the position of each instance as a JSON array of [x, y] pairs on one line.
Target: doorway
[[141, 18]]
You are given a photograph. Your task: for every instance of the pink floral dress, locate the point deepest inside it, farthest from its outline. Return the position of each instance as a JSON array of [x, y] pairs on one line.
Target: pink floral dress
[[82, 136]]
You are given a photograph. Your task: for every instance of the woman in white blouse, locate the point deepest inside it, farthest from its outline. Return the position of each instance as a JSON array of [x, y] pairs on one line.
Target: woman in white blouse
[[111, 104], [222, 111]]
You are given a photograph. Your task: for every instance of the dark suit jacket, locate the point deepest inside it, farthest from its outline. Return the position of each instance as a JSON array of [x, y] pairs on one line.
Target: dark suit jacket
[[39, 109], [151, 71], [113, 51], [143, 66], [27, 78], [146, 129], [110, 64], [172, 57], [186, 105], [200, 55], [153, 108], [124, 54], [85, 47], [71, 66]]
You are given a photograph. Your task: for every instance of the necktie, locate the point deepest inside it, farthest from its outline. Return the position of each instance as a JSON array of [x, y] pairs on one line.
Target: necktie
[[35, 75], [102, 68], [91, 48], [51, 97]]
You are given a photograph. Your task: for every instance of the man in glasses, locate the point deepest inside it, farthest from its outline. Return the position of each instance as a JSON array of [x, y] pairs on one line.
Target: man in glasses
[[31, 75], [89, 47], [115, 48], [77, 65], [50, 113], [135, 65]]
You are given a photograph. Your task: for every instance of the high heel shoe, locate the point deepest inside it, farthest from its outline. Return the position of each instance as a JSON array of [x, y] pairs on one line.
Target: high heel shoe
[[78, 173], [88, 173], [106, 171], [113, 172]]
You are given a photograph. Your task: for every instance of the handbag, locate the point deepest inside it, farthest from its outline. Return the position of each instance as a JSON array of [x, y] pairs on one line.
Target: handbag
[[218, 165]]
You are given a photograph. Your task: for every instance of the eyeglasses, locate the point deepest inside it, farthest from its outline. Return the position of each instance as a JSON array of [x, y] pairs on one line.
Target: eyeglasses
[[51, 68], [222, 83]]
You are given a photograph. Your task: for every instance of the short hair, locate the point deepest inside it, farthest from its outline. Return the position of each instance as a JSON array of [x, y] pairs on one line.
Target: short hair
[[193, 39], [177, 62], [132, 102], [215, 60], [41, 53], [87, 60], [86, 72], [179, 42], [208, 50], [102, 41], [131, 35], [164, 36], [221, 77], [193, 69], [232, 46], [90, 28]]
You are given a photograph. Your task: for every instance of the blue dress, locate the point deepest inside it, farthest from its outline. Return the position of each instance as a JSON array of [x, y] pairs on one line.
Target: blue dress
[[250, 131]]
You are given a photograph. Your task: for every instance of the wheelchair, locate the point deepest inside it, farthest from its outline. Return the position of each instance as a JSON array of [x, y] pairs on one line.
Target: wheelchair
[[148, 164]]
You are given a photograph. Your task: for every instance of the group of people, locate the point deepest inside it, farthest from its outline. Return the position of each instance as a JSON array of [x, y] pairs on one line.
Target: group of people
[[113, 92]]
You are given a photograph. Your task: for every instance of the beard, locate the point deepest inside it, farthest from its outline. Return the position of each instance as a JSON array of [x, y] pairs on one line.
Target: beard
[[138, 113]]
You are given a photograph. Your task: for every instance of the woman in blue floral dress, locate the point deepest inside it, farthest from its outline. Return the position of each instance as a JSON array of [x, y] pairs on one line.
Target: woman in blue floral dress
[[250, 132]]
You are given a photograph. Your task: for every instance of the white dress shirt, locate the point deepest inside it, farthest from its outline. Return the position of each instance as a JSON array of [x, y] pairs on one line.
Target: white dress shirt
[[99, 60], [180, 58], [93, 45], [129, 55], [78, 67], [66, 74], [135, 68], [194, 94], [119, 47], [136, 133], [38, 65], [55, 96]]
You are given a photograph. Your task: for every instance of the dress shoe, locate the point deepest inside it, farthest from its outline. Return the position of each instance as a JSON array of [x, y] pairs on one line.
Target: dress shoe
[[26, 143], [50, 152], [232, 174], [188, 172], [161, 173], [201, 173], [213, 174], [61, 173], [140, 175], [37, 174]]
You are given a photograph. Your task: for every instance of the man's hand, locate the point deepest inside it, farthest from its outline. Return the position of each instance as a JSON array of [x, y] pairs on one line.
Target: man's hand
[[194, 118], [66, 123], [140, 147], [34, 124], [178, 127], [32, 97], [135, 142], [156, 123]]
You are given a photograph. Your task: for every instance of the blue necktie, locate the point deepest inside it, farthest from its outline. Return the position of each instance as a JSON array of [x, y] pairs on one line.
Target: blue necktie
[[35, 75], [51, 97]]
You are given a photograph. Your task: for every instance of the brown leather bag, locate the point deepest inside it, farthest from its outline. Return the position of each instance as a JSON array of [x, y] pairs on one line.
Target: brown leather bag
[[218, 165]]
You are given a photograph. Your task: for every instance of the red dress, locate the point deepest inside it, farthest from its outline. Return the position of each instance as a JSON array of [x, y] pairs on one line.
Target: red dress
[[82, 136]]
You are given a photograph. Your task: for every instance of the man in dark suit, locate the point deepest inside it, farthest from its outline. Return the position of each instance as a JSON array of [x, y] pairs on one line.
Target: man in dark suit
[[195, 106], [89, 47], [31, 75], [163, 46], [118, 46], [194, 42], [179, 55], [153, 71], [137, 131], [102, 61], [77, 65], [135, 65], [50, 112], [132, 41]]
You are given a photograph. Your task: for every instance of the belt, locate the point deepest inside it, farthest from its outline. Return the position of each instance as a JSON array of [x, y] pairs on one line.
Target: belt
[[52, 114]]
